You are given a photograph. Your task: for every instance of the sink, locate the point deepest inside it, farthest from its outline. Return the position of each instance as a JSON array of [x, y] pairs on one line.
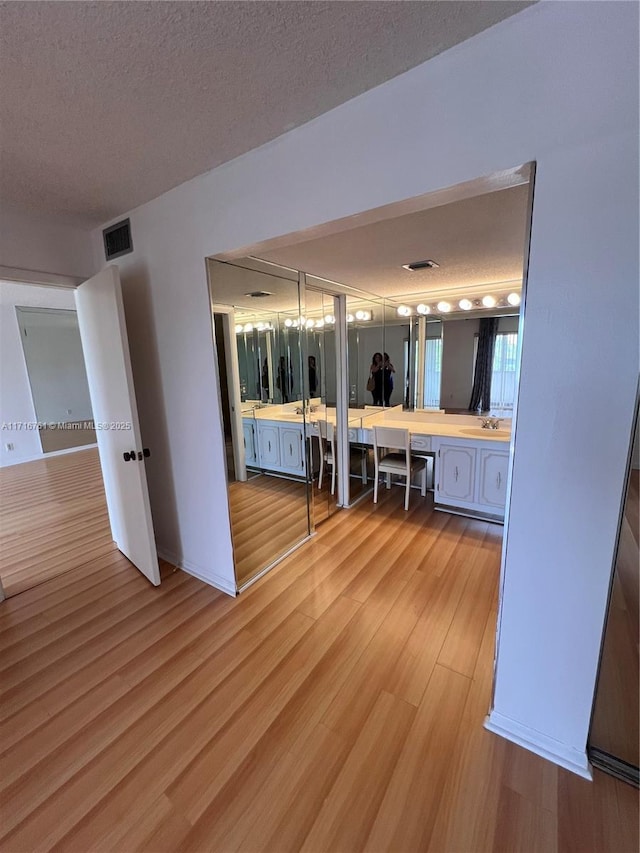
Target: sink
[[478, 432]]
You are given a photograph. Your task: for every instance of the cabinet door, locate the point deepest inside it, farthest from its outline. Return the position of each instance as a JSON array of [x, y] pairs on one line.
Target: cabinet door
[[269, 446], [493, 478], [248, 432], [291, 455], [456, 473]]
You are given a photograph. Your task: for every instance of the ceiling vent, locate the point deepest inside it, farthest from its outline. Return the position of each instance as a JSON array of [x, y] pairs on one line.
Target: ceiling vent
[[259, 294], [420, 265], [117, 240]]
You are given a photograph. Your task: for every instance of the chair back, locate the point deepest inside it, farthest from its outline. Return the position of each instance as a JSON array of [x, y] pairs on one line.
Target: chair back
[[391, 438], [327, 430]]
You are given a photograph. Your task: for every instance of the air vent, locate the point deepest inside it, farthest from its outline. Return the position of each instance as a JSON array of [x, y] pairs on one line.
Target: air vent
[[117, 240], [420, 265], [259, 294]]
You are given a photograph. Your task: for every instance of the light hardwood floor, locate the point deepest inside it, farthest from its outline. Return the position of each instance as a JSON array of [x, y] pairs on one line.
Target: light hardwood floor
[[337, 706], [53, 518], [616, 719]]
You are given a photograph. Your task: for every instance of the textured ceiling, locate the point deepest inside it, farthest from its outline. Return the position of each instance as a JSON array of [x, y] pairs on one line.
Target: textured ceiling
[[477, 241], [105, 105]]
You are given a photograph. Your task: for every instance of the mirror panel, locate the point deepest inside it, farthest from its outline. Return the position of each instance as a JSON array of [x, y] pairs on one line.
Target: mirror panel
[[259, 355], [614, 741]]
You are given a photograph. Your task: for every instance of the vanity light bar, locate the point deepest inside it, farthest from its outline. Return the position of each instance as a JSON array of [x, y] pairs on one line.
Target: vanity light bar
[[464, 304]]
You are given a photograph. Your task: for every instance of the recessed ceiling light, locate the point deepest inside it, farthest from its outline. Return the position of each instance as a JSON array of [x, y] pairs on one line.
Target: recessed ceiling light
[[420, 265], [513, 299], [259, 294], [443, 307], [423, 309], [489, 301], [466, 304]]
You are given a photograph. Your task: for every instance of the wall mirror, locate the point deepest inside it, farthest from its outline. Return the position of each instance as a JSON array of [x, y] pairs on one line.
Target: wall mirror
[[259, 348], [614, 740]]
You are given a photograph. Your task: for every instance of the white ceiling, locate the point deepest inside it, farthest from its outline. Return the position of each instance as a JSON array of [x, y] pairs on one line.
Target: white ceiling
[[106, 105], [477, 242]]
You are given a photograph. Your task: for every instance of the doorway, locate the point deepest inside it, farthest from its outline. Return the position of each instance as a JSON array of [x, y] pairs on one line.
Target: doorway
[[53, 510]]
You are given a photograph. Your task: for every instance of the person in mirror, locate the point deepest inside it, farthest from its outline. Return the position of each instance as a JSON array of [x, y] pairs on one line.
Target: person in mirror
[[375, 378], [284, 381], [313, 376], [265, 380], [387, 379]]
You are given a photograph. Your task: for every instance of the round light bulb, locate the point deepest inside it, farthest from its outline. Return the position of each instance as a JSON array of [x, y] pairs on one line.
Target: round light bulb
[[329, 318], [489, 301], [288, 323], [466, 304], [360, 315], [248, 327], [309, 324], [423, 309], [350, 318], [319, 324], [367, 315], [238, 329], [513, 299], [443, 307], [404, 310]]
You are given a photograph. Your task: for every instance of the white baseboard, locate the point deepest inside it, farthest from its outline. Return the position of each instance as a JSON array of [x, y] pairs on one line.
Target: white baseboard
[[34, 457], [553, 750], [215, 581]]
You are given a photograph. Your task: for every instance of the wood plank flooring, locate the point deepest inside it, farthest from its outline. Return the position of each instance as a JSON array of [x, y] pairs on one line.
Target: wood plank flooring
[[336, 705], [616, 720], [53, 518]]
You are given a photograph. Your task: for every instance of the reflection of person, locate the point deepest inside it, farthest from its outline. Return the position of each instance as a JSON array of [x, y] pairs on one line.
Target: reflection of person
[[387, 371], [265, 379], [376, 373], [285, 379], [313, 376]]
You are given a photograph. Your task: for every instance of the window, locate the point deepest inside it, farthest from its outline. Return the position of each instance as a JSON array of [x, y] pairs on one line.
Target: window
[[503, 374], [432, 372]]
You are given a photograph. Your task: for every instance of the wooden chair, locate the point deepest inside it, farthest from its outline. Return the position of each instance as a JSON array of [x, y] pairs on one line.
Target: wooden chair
[[327, 439], [392, 455]]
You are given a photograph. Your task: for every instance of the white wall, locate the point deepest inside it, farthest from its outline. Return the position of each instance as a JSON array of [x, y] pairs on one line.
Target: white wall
[[45, 245], [16, 402], [556, 83], [55, 362]]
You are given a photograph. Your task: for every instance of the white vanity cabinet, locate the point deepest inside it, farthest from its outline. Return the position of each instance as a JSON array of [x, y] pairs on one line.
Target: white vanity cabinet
[[280, 447], [492, 470], [249, 436], [471, 476], [268, 444], [292, 453]]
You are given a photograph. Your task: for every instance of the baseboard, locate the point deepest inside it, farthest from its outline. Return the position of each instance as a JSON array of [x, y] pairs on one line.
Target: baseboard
[[553, 750], [216, 581], [38, 456]]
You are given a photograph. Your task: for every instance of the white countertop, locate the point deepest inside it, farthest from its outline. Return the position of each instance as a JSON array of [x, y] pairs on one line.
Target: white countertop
[[416, 424]]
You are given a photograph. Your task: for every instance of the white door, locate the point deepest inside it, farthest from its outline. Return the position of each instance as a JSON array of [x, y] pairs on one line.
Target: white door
[[106, 354]]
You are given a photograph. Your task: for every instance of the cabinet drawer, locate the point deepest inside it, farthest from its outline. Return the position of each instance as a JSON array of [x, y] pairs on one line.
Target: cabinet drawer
[[421, 442]]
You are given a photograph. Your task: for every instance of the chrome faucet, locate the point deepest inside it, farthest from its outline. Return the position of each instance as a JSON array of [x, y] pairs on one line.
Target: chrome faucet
[[490, 423]]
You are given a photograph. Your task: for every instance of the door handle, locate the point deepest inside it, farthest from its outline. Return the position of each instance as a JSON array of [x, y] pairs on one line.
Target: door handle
[[456, 474], [499, 479]]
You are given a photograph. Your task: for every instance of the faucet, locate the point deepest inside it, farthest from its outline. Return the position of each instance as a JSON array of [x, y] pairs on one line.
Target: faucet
[[490, 423]]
